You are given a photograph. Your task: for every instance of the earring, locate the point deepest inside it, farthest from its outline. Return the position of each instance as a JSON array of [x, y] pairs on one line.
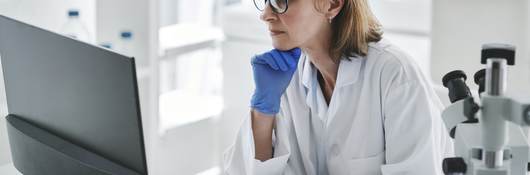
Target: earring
[[330, 20]]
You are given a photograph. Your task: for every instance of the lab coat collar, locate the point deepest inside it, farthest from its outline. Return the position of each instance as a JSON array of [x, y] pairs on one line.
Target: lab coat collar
[[307, 72], [348, 73]]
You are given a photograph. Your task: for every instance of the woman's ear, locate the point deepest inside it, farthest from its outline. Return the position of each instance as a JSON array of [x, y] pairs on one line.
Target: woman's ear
[[334, 8]]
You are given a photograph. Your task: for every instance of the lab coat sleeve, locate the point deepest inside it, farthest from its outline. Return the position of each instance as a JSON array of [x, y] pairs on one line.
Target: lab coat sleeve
[[240, 157], [415, 139]]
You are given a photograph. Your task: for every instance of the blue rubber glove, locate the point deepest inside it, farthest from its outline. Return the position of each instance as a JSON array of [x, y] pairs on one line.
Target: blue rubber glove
[[273, 71]]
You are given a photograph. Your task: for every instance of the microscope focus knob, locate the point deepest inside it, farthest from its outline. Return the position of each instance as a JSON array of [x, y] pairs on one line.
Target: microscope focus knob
[[454, 165]]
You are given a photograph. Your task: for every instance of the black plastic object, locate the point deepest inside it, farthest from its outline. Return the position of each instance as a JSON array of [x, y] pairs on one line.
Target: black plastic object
[[526, 114], [84, 94], [480, 80], [470, 108], [39, 152], [454, 165], [494, 50], [455, 82]]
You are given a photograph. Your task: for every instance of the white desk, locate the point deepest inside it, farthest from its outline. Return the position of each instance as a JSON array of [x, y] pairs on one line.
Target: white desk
[[8, 169]]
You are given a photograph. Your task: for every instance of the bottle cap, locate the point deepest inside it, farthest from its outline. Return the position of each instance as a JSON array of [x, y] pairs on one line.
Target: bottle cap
[[73, 13], [126, 34]]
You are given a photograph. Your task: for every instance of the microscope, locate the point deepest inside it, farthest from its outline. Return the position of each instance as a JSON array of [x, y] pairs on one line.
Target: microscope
[[487, 133]]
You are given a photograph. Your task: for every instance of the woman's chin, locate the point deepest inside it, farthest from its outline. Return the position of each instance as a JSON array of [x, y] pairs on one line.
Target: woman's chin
[[282, 46]]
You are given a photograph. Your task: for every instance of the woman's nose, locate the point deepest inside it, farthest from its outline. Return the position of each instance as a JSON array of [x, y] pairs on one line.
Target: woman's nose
[[267, 14]]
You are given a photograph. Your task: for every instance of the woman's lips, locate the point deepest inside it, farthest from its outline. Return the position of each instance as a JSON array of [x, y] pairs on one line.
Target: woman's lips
[[275, 32]]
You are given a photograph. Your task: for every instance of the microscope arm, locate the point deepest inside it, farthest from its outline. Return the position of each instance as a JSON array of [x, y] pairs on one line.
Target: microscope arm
[[453, 115], [512, 110], [519, 113]]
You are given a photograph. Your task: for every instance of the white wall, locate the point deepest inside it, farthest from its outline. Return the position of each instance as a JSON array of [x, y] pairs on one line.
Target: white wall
[[408, 16], [460, 27], [47, 14]]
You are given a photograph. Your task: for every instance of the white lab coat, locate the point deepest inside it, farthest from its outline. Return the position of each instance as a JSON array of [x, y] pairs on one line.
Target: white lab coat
[[384, 118]]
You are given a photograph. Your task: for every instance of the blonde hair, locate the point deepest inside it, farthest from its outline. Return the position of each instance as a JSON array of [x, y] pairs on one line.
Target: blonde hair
[[353, 28]]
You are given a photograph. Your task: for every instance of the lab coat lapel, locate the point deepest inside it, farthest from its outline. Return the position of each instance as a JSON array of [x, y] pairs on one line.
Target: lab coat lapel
[[306, 76], [314, 97], [302, 120], [309, 84], [348, 74]]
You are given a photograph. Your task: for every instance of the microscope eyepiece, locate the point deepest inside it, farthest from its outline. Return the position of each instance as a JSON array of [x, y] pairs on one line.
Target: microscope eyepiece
[[456, 74], [494, 50], [455, 82], [480, 77]]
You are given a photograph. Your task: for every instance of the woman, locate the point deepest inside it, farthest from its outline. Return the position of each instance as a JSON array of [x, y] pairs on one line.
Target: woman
[[334, 98]]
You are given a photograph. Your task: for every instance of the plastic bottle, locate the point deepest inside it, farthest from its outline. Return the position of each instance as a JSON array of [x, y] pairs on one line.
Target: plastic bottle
[[75, 28], [106, 45], [125, 42]]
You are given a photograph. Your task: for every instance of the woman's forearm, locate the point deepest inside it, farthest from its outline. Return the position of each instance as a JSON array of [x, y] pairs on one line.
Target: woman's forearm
[[262, 127]]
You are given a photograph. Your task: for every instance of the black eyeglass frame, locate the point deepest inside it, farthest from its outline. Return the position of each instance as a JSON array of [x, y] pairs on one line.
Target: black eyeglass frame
[[272, 7]]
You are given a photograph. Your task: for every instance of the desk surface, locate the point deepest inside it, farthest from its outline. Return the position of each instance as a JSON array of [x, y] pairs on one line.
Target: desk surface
[[8, 169]]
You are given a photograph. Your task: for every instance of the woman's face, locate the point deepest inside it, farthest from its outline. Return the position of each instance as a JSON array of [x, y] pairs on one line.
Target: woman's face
[[296, 27]]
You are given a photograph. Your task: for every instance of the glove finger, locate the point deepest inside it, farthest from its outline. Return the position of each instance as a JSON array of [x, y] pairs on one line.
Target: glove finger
[[257, 59], [267, 57], [279, 60], [291, 61], [296, 52]]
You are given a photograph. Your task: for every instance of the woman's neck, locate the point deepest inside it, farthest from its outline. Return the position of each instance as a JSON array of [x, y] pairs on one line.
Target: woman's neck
[[327, 67], [317, 50], [325, 64]]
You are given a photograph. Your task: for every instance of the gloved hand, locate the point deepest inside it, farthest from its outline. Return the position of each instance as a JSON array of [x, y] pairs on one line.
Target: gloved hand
[[273, 71]]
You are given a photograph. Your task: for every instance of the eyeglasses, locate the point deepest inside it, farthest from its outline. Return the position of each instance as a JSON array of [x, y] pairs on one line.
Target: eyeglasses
[[277, 6]]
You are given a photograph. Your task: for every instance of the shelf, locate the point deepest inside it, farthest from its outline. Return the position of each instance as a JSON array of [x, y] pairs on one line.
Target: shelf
[[178, 39]]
